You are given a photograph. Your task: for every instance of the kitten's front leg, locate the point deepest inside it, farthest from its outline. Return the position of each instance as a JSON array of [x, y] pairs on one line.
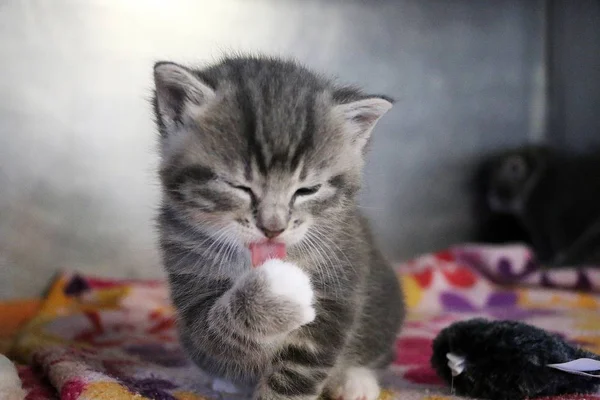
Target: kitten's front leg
[[292, 382], [306, 359], [232, 329], [268, 302]]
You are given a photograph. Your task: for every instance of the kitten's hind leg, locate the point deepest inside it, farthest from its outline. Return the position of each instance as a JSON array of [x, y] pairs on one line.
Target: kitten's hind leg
[[356, 383]]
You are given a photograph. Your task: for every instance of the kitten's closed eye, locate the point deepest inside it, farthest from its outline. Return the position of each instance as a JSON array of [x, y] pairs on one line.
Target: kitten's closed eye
[[307, 191], [244, 189]]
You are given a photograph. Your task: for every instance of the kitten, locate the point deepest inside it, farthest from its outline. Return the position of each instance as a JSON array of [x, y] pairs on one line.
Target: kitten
[[256, 149], [545, 197]]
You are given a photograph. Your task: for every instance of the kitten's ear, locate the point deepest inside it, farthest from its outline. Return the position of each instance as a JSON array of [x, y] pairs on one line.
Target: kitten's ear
[[177, 88], [361, 116]]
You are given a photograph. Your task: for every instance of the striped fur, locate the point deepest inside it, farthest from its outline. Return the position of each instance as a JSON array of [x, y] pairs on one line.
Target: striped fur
[[255, 143]]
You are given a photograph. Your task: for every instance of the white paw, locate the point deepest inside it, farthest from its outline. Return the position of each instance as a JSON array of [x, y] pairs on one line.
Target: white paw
[[288, 281], [358, 384]]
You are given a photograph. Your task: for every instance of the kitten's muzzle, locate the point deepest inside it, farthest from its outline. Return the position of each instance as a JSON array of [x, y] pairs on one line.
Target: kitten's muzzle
[[272, 220]]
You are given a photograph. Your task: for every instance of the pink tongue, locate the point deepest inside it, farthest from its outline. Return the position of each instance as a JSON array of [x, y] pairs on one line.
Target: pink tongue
[[261, 252]]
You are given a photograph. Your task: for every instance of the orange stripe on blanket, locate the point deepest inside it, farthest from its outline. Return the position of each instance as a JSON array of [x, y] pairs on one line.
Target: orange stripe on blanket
[[14, 315]]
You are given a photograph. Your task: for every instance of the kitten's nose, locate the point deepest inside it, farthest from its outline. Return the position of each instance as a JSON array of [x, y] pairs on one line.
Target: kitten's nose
[[271, 233], [272, 220]]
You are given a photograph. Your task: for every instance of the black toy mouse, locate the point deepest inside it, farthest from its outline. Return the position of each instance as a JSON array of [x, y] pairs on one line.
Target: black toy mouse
[[508, 360]]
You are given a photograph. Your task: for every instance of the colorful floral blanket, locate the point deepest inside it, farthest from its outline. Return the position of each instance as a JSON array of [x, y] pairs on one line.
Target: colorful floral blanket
[[114, 339]]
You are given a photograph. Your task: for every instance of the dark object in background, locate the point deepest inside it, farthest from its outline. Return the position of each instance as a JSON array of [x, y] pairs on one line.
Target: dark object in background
[[507, 360], [544, 198]]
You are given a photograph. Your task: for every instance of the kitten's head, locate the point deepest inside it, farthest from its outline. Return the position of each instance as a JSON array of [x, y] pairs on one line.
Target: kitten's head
[[513, 176], [256, 149]]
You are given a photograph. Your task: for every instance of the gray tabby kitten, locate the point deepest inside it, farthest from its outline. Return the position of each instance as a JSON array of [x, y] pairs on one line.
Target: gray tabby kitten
[[257, 149]]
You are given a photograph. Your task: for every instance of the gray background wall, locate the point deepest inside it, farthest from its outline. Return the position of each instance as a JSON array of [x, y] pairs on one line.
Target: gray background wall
[[77, 151], [574, 73]]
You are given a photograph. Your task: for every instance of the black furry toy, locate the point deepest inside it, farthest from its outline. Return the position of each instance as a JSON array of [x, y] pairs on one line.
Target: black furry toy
[[507, 360]]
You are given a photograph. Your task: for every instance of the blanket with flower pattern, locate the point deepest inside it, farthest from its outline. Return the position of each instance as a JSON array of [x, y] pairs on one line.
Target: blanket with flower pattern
[[94, 338]]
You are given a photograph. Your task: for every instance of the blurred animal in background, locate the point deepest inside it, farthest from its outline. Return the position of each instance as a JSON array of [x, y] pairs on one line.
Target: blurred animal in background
[[543, 197]]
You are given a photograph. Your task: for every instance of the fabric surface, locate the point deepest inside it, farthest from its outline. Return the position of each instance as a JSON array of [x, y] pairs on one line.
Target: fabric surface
[[113, 339], [14, 314]]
